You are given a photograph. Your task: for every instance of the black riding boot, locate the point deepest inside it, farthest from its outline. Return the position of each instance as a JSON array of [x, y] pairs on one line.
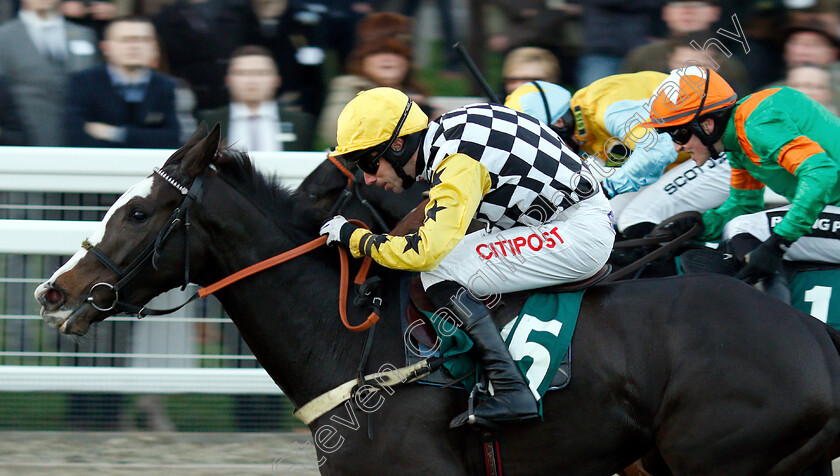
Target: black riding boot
[[512, 400]]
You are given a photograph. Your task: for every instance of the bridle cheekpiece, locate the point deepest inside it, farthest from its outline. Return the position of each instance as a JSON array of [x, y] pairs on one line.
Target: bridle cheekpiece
[[181, 214]]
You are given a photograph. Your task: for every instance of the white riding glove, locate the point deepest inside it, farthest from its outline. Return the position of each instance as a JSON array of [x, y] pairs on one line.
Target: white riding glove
[[333, 229]]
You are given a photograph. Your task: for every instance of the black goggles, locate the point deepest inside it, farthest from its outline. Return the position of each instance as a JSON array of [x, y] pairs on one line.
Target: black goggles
[[368, 159], [679, 134]]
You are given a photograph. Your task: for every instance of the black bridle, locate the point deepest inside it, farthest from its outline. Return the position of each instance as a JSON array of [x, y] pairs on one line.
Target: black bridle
[[181, 214]]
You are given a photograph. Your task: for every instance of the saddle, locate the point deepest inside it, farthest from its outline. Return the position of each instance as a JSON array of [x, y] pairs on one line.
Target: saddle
[[507, 309]]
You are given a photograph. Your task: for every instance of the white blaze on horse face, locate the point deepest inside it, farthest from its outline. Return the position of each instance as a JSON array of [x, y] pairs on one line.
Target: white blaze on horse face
[[142, 189]]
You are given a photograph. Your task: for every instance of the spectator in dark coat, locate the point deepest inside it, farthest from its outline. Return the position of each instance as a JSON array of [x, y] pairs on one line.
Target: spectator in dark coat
[[11, 130], [254, 120], [198, 38], [123, 103], [611, 28], [293, 43]]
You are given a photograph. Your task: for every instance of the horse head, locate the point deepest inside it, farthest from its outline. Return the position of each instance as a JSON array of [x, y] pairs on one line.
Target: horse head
[[139, 249]]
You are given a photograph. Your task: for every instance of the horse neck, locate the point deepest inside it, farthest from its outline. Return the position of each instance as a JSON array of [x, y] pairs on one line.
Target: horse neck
[[282, 313]]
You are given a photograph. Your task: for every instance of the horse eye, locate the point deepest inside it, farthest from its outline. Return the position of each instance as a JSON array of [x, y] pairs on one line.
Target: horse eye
[[137, 215]]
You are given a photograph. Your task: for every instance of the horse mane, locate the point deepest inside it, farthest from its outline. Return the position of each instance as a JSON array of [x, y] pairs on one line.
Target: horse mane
[[279, 202]]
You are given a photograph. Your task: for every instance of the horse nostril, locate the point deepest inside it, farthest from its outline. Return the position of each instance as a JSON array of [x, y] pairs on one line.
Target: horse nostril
[[53, 296]]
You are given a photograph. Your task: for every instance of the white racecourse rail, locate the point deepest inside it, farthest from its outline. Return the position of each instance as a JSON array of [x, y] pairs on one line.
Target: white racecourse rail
[[77, 170], [96, 171]]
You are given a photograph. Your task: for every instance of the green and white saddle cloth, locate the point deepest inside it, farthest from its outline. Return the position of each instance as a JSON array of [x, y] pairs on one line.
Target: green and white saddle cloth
[[537, 339]]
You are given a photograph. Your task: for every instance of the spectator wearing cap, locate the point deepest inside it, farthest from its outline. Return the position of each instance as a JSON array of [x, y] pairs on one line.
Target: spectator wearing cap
[[385, 62], [813, 41], [254, 120], [124, 103], [38, 51], [689, 23]]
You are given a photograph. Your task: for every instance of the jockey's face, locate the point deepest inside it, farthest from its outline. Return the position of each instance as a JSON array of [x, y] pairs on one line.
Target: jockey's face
[[699, 152], [385, 176]]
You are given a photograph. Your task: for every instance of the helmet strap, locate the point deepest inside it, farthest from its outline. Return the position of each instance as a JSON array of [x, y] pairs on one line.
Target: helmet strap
[[544, 100], [399, 159], [719, 119], [567, 131]]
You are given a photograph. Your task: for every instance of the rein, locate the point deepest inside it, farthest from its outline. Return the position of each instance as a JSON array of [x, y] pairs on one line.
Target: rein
[[361, 275], [655, 237], [182, 214]]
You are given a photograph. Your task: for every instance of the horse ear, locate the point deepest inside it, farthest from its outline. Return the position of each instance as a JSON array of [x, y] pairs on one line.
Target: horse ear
[[203, 153], [200, 133]]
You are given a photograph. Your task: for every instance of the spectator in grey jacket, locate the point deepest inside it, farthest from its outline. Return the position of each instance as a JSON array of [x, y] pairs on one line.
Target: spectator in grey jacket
[[38, 50], [11, 130]]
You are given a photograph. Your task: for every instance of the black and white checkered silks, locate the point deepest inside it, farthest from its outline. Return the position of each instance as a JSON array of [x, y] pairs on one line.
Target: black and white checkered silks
[[534, 175]]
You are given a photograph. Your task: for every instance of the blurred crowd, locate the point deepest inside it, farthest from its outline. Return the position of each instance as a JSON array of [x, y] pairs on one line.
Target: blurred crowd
[[276, 73]]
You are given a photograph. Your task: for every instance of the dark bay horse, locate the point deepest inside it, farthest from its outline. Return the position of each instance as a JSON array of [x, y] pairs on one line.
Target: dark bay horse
[[708, 371]]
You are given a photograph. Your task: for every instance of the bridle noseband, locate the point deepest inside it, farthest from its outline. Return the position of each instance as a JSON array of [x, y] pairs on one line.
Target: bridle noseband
[[181, 214]]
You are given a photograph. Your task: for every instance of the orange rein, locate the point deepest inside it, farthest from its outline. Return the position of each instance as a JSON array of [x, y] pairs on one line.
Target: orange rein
[[343, 170], [294, 253]]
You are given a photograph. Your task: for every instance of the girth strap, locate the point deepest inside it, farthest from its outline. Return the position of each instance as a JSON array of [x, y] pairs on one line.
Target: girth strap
[[492, 455], [335, 397]]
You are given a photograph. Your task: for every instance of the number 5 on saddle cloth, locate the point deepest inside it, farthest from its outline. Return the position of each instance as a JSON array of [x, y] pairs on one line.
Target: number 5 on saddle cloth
[[538, 338]]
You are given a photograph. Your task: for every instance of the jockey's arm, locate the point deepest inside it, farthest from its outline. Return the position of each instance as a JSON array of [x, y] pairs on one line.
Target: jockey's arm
[[651, 152], [785, 150], [746, 195], [458, 186], [817, 176]]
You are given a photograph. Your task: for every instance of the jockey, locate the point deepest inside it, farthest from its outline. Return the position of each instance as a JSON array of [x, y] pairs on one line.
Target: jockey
[[546, 221], [776, 137], [604, 120]]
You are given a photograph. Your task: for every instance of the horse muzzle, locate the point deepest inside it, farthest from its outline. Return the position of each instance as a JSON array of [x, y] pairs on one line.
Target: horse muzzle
[[56, 311]]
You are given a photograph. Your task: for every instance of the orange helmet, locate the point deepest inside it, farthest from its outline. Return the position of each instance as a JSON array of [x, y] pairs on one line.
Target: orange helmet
[[688, 93]]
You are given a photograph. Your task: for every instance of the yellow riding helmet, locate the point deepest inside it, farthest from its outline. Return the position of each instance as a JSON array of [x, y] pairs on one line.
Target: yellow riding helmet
[[372, 117]]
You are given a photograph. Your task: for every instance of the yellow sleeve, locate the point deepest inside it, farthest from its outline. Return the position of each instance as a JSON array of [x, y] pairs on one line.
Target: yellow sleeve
[[458, 185]]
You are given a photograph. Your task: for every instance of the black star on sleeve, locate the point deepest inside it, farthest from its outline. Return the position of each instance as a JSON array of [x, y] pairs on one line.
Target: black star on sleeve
[[378, 240], [431, 213], [436, 178], [412, 242]]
